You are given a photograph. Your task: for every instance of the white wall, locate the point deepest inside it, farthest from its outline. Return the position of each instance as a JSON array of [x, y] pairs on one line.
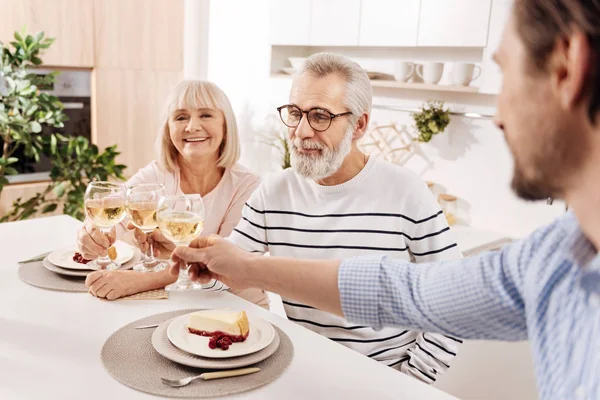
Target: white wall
[[470, 160]]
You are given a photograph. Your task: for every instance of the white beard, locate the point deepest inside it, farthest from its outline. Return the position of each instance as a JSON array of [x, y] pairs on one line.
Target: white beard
[[323, 165]]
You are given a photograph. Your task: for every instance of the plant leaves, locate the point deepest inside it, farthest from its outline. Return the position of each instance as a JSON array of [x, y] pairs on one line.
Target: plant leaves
[[35, 127], [49, 208]]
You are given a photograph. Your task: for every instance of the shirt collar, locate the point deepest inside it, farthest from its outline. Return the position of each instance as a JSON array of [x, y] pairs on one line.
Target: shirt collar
[[582, 254]]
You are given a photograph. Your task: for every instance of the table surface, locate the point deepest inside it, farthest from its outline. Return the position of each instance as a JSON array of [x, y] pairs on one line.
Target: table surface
[[50, 341]]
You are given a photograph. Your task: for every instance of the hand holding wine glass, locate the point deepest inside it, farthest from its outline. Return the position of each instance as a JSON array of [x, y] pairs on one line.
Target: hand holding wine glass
[[142, 205], [181, 219], [105, 207]]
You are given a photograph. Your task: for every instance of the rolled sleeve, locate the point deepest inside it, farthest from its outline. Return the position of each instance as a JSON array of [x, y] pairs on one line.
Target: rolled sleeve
[[358, 282]]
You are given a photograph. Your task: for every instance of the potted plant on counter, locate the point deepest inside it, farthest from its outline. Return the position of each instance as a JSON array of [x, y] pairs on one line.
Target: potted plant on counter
[[431, 120]]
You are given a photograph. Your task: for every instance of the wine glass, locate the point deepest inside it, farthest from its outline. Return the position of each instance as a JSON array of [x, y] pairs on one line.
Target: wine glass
[[142, 204], [105, 206], [181, 219]]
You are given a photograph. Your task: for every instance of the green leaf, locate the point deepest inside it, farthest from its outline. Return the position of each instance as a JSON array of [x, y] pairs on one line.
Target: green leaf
[[59, 190], [10, 171], [18, 37], [11, 160], [49, 208], [35, 127], [36, 60], [53, 143]]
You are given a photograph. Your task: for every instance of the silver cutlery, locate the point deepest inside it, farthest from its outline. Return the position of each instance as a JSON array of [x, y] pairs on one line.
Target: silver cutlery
[[34, 259], [208, 376], [145, 326]]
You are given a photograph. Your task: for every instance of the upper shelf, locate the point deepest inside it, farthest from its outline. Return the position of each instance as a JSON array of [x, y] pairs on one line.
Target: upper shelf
[[410, 86]]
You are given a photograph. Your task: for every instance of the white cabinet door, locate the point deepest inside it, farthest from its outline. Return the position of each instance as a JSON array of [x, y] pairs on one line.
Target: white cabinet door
[[460, 23], [389, 23], [289, 21], [335, 22], [491, 74]]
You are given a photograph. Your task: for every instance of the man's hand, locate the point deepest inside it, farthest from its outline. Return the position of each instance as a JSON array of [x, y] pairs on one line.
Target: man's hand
[[213, 257], [162, 246]]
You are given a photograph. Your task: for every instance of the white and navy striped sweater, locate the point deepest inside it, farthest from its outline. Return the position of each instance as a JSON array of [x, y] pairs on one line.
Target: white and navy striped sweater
[[385, 209]]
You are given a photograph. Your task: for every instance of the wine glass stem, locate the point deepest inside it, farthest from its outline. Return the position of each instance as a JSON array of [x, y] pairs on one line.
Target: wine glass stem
[[105, 259], [150, 254], [183, 270]]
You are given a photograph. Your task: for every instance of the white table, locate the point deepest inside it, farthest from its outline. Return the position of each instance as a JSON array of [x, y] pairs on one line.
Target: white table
[[50, 342]]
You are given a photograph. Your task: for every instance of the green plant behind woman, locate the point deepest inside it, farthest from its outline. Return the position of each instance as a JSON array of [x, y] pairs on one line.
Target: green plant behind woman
[[24, 110]]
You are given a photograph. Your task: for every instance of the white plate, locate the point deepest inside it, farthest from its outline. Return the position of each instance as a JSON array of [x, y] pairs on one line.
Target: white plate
[[161, 343], [64, 257], [261, 335], [83, 273]]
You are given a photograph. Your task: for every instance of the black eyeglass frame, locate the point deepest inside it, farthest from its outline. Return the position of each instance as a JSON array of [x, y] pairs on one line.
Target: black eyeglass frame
[[302, 112]]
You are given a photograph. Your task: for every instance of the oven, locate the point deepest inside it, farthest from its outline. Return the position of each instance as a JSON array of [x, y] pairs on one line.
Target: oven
[[73, 89]]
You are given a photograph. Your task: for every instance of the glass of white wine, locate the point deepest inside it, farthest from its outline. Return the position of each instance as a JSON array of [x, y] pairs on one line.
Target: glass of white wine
[[142, 205], [105, 206], [181, 219]]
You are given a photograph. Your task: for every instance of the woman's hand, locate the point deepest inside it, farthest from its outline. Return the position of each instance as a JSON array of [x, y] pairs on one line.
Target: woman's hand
[[112, 285], [92, 242]]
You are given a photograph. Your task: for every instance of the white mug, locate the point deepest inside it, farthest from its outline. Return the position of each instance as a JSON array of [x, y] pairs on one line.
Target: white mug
[[404, 71], [430, 72], [464, 73]]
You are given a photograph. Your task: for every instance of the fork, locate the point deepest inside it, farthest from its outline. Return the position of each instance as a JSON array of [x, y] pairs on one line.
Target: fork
[[208, 376]]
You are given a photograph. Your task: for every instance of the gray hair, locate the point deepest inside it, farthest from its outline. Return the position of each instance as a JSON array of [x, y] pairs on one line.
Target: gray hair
[[359, 94]]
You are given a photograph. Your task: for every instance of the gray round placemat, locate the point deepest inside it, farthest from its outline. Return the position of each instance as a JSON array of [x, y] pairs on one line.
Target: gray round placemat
[[37, 275], [129, 357]]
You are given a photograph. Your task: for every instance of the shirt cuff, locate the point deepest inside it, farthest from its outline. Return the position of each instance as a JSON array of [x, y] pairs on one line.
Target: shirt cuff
[[358, 282]]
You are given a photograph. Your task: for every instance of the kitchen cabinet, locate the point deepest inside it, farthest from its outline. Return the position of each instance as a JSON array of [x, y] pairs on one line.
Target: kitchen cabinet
[[491, 74], [289, 21], [129, 108], [70, 22], [334, 23], [389, 23], [456, 23], [140, 34]]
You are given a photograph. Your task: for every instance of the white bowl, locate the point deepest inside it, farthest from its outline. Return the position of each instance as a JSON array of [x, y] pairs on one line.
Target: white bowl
[[296, 62]]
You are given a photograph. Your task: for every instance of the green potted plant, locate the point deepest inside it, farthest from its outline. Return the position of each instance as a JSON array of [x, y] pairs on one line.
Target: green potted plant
[[431, 120], [24, 109]]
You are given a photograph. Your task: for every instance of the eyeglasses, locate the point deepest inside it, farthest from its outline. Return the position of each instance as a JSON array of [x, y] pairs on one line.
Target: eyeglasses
[[318, 118]]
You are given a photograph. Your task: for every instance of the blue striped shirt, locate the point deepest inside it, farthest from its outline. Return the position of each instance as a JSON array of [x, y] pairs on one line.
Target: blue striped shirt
[[545, 288]]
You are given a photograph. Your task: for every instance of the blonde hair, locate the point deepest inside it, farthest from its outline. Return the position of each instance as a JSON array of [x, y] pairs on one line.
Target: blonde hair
[[195, 95]]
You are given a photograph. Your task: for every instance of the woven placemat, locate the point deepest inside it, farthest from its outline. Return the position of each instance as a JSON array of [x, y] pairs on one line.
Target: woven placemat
[[35, 274], [129, 357]]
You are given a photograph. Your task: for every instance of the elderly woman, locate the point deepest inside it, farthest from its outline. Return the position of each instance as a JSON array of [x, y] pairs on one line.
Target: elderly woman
[[199, 149]]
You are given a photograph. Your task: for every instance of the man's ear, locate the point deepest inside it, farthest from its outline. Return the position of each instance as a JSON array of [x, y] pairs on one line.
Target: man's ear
[[361, 127]]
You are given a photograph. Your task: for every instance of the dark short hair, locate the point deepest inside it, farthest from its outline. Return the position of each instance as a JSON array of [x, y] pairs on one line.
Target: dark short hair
[[540, 23]]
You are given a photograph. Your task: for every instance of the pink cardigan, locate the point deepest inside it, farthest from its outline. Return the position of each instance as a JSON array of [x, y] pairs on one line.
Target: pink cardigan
[[223, 205]]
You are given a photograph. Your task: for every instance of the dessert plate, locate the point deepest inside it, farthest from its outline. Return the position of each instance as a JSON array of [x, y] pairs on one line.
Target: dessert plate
[[85, 272], [64, 257], [261, 335], [164, 347]]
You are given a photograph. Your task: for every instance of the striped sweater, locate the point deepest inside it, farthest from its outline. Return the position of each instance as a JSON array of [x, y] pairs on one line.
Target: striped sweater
[[386, 210]]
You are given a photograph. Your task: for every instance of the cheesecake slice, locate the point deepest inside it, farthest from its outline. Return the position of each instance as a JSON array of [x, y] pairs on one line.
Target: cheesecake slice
[[219, 324]]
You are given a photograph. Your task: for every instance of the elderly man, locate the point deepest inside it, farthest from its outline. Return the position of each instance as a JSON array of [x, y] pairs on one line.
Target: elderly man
[[336, 202], [546, 287]]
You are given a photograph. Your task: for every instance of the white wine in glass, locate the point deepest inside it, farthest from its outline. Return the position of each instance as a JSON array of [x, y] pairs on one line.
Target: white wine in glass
[[181, 219], [105, 206], [142, 205]]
